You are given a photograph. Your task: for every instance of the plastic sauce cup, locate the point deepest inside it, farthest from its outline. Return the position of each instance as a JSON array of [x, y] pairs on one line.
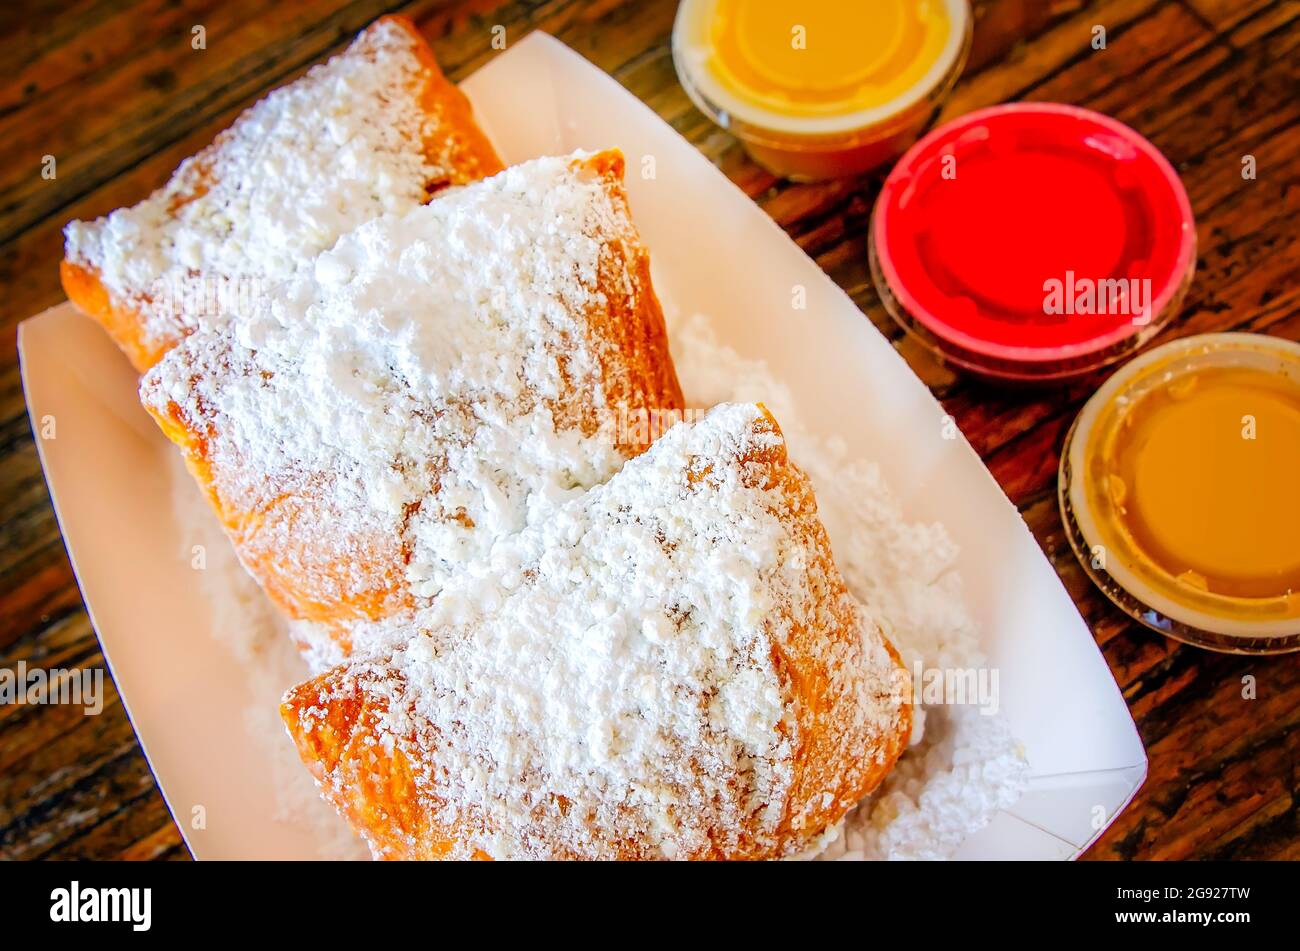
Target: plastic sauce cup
[[821, 89], [1033, 242], [1178, 491]]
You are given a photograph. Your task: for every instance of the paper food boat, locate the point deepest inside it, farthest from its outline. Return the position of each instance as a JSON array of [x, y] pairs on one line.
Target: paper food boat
[[715, 252]]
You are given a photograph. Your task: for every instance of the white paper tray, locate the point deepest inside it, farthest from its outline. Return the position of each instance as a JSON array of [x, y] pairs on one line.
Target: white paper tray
[[714, 252]]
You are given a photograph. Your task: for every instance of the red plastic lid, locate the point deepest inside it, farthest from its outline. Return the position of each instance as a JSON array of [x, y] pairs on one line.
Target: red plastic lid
[[1033, 240]]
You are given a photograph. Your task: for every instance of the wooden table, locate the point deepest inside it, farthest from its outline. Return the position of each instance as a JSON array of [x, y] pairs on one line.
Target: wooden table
[[115, 91]]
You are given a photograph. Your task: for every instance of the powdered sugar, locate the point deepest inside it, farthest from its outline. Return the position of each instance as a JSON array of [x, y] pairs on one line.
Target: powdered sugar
[[434, 383], [344, 144], [964, 766], [667, 666]]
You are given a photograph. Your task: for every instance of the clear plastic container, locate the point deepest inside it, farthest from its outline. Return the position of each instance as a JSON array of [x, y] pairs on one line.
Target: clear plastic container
[[1130, 568], [981, 222], [832, 139]]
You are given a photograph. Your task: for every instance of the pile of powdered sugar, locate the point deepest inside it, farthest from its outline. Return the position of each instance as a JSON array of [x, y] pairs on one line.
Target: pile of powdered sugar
[[431, 382], [963, 765], [342, 145], [621, 658]]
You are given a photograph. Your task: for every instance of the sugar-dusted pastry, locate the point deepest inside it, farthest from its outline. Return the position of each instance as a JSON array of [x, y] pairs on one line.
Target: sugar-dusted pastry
[[376, 129], [668, 667], [438, 380]]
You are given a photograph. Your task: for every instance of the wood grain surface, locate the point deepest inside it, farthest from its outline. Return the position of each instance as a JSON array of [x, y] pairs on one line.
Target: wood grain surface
[[114, 91]]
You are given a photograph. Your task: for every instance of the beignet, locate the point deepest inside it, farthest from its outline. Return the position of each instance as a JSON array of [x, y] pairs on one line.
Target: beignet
[[377, 129], [670, 667], [439, 380]]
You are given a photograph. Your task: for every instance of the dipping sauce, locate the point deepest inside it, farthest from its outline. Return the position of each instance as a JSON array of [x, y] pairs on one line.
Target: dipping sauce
[[1033, 242], [1202, 493], [821, 88], [1180, 487]]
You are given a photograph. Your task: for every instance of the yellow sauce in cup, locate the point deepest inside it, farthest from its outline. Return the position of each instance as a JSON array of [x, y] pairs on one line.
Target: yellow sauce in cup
[[1204, 477], [821, 88], [1180, 490]]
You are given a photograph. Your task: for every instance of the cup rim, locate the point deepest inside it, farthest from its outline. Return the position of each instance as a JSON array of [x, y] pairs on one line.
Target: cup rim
[[1153, 607], [748, 121], [1172, 285]]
